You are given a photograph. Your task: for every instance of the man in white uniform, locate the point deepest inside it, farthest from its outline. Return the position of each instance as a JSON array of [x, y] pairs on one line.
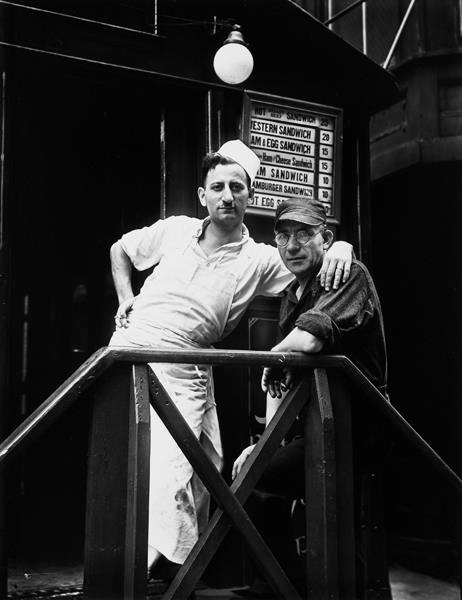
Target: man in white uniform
[[206, 273]]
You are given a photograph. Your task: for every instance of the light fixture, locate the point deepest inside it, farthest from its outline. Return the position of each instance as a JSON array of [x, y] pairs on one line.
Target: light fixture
[[233, 62]]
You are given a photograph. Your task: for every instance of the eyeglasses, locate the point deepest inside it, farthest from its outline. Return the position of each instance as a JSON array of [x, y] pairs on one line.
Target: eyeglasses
[[302, 237]]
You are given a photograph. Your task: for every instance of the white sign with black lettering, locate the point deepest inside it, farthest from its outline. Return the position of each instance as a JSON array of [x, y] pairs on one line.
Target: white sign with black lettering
[[289, 175], [282, 159], [296, 148], [287, 145]]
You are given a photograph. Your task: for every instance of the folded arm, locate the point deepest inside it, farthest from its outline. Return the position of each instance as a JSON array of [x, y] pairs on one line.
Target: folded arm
[[276, 381]]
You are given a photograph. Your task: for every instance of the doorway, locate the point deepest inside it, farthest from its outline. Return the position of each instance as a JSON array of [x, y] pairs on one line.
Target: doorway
[[84, 167]]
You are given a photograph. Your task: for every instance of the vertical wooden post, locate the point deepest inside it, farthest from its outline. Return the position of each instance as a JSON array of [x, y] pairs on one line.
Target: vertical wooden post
[[139, 444], [5, 305], [3, 536], [320, 482], [374, 578], [116, 523], [363, 213], [341, 406], [107, 488], [458, 542]]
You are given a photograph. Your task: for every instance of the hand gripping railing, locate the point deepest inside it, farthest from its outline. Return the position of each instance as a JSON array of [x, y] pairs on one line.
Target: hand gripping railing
[[117, 510]]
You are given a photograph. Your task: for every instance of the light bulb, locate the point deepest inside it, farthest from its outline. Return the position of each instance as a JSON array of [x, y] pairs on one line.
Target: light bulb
[[233, 62]]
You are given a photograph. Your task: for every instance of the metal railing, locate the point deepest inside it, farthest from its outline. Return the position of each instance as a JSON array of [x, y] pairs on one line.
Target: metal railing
[[118, 475]]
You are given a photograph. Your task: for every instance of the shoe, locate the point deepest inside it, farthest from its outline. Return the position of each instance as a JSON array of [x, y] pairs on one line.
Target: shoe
[[163, 569]]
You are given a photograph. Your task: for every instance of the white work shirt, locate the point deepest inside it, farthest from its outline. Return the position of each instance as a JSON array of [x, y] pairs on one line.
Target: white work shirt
[[258, 267]]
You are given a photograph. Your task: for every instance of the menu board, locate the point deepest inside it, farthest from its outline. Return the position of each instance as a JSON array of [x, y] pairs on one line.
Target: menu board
[[298, 147]]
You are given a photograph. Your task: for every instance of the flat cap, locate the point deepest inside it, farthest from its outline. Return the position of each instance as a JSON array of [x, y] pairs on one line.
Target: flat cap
[[310, 212]]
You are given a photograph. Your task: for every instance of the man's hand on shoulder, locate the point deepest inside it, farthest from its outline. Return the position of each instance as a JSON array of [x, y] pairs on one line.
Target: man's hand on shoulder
[[336, 265]]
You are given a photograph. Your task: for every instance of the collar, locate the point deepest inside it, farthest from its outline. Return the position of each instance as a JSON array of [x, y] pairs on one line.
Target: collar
[[200, 230], [310, 286]]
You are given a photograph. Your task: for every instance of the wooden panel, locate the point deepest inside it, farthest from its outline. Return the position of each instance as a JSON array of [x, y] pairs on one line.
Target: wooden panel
[[345, 486], [107, 488], [363, 197], [442, 25], [371, 451], [136, 542], [5, 320], [374, 576], [118, 487], [320, 474], [3, 538], [450, 98], [185, 145]]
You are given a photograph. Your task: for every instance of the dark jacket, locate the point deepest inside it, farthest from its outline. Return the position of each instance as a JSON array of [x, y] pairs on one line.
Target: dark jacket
[[348, 320]]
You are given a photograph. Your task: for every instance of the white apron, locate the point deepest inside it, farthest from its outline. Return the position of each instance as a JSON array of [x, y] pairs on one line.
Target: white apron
[[183, 304]]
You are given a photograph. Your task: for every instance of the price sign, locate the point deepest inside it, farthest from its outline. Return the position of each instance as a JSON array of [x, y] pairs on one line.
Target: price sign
[[299, 146]]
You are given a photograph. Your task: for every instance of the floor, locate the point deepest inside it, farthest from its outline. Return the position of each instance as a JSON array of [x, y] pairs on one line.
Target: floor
[[66, 582]]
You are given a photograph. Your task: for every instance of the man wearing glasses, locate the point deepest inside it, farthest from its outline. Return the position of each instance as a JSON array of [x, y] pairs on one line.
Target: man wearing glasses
[[347, 320]]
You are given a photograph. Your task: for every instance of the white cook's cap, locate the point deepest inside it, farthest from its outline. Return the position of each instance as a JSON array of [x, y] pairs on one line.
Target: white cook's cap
[[242, 155]]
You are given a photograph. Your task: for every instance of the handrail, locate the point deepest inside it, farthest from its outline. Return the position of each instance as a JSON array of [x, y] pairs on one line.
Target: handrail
[[59, 400], [102, 359], [390, 412]]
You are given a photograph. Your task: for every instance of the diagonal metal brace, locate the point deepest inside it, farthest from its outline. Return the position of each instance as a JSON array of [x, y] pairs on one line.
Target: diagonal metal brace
[[223, 495]]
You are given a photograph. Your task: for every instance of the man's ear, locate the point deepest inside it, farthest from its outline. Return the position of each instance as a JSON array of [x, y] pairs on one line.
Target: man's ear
[[328, 238], [201, 195], [251, 191]]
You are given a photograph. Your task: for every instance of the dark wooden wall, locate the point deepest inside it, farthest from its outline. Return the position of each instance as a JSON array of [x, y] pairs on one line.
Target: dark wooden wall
[[416, 247]]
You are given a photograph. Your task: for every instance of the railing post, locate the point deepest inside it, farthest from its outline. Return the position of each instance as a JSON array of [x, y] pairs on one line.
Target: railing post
[[116, 521], [374, 575], [320, 483], [3, 537], [139, 443], [362, 559], [371, 453], [346, 538]]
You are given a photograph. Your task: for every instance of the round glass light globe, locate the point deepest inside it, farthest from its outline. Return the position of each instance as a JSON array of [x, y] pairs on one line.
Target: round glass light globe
[[233, 63]]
